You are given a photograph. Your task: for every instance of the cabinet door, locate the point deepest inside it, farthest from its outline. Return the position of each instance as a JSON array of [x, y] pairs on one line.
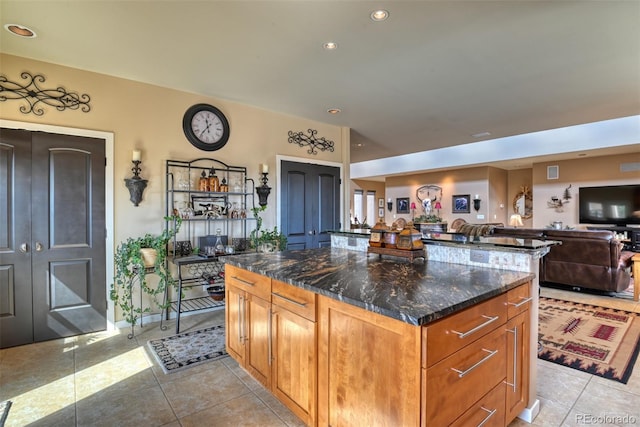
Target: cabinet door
[[294, 363], [236, 326], [518, 335], [258, 343], [368, 368]]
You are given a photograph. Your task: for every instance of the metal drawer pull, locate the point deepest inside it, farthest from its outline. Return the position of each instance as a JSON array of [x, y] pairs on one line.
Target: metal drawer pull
[[521, 303], [480, 362], [488, 416], [243, 281], [514, 384], [465, 334], [299, 304]]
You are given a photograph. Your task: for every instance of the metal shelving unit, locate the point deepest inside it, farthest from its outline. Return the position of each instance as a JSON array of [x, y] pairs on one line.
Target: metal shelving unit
[[203, 212]]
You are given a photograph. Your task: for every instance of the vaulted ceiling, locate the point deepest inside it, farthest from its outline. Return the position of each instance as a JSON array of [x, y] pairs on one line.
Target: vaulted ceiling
[[431, 75]]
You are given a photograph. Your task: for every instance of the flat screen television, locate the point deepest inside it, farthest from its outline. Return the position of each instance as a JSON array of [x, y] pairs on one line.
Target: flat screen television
[[614, 204]]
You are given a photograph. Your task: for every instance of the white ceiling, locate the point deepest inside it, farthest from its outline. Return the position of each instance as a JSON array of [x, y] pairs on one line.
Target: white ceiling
[[430, 76]]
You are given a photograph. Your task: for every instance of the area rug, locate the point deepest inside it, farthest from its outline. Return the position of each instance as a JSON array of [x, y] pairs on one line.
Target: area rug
[[601, 341], [188, 349]]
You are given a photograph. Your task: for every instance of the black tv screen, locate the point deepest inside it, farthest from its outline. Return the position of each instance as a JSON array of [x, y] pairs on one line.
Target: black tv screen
[[615, 204]]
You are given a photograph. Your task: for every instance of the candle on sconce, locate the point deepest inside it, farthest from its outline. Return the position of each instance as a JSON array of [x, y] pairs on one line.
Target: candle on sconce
[[265, 168], [477, 196], [136, 156], [389, 200]]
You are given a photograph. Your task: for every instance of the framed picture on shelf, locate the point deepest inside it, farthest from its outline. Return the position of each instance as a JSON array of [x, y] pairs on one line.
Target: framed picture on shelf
[[210, 206], [460, 203], [402, 205], [381, 203]]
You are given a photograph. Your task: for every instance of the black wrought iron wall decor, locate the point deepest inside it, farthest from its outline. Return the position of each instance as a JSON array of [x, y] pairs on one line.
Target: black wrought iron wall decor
[[34, 95], [314, 143]]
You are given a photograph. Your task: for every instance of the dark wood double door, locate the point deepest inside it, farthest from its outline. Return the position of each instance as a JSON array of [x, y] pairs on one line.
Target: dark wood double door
[[52, 236], [310, 204]]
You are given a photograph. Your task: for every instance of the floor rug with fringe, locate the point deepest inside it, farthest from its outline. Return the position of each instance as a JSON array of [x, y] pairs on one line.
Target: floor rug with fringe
[[188, 349], [601, 341]]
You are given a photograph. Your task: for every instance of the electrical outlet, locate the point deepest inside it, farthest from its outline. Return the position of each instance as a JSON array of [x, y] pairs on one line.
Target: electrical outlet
[[479, 256], [480, 216]]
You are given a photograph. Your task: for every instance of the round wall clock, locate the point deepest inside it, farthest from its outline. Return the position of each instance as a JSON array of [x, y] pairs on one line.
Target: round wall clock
[[205, 127]]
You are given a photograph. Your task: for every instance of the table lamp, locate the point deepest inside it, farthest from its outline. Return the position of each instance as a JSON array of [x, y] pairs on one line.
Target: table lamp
[[515, 221]]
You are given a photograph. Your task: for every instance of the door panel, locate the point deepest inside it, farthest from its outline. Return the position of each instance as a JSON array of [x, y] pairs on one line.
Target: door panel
[[69, 289], [310, 204], [16, 316]]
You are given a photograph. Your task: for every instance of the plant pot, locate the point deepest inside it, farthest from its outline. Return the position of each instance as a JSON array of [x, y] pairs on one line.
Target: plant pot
[[216, 292], [149, 256]]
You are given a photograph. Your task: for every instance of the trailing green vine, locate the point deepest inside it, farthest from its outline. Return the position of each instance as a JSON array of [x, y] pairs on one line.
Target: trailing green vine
[[259, 236], [130, 268]]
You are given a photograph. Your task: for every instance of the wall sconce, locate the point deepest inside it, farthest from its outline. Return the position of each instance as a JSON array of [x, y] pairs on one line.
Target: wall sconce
[[264, 190], [476, 203], [389, 205], [136, 184]]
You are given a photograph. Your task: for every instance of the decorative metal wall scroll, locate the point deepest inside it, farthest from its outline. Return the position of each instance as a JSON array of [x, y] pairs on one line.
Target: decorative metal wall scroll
[[34, 95], [314, 143]]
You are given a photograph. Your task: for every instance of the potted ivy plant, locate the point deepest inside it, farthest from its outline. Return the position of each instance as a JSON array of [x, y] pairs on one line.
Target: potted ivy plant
[[132, 266], [261, 239]]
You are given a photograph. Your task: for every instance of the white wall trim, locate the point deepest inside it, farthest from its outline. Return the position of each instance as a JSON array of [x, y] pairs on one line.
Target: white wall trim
[[109, 197]]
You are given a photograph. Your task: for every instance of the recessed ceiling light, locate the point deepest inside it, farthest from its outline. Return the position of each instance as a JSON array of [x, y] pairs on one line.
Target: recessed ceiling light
[[379, 15], [481, 134], [20, 30], [330, 46], [334, 111]]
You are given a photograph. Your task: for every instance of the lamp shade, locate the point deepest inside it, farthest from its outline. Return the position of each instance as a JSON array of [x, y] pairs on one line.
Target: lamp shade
[[437, 205], [515, 220]]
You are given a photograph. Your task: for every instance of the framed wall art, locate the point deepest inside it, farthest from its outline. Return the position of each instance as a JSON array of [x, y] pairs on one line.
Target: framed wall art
[[460, 203], [381, 202], [402, 205]]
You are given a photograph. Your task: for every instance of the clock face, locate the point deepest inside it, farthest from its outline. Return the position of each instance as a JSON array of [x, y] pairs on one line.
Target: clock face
[[206, 127]]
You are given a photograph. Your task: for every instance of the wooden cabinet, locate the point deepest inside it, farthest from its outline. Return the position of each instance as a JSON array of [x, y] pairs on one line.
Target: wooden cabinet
[[248, 317], [368, 367], [294, 363], [332, 363], [271, 332], [518, 352]]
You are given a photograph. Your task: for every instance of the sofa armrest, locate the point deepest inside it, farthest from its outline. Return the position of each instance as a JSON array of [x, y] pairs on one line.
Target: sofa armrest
[[625, 259]]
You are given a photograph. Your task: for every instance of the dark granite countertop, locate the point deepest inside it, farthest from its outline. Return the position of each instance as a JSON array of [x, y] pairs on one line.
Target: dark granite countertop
[[416, 293]]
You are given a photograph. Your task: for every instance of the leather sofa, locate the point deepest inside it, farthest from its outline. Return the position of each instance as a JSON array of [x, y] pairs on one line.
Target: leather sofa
[[591, 259]]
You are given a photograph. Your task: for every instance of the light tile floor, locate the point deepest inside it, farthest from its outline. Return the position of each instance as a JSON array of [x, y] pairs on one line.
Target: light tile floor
[[105, 379]]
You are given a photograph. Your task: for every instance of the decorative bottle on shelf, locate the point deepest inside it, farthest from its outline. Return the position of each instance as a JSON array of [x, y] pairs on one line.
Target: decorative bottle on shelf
[[203, 183], [219, 247], [214, 184], [224, 187]]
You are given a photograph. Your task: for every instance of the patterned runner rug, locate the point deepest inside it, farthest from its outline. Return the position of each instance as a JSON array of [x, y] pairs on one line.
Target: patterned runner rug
[[600, 341], [188, 349]]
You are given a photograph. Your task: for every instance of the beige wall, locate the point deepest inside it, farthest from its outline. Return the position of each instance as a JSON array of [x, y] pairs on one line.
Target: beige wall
[[576, 173], [149, 118]]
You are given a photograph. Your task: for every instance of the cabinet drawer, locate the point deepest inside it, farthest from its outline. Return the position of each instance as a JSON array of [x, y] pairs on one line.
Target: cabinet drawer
[[487, 412], [294, 299], [248, 281], [464, 377], [518, 300], [450, 334]]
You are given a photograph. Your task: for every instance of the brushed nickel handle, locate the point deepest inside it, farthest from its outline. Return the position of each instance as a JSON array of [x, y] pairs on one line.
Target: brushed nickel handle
[[488, 416], [521, 303], [475, 365], [299, 304], [269, 334], [39, 247], [514, 384], [477, 328], [24, 248], [243, 281]]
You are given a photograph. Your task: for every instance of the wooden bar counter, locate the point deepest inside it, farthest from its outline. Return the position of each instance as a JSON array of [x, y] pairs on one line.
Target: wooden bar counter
[[343, 338]]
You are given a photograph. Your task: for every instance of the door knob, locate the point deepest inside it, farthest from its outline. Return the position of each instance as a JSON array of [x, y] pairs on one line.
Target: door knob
[[38, 247], [24, 248]]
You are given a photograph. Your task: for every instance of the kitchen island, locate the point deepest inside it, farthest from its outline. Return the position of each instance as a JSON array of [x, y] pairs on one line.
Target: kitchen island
[[343, 338]]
